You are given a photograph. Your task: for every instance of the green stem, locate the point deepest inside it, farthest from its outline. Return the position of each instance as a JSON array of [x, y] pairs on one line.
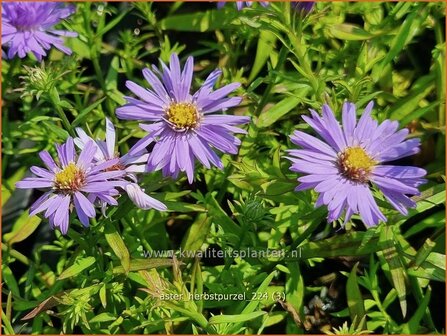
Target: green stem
[[9, 330], [139, 234], [6, 128], [239, 244], [310, 229], [13, 253], [265, 97], [55, 100], [418, 294], [299, 51], [102, 83], [252, 129], [197, 317], [441, 88]]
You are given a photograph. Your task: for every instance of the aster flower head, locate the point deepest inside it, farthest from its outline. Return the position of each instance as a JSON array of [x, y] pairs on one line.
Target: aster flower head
[[183, 126], [28, 27], [69, 183], [130, 164], [242, 4], [348, 161]]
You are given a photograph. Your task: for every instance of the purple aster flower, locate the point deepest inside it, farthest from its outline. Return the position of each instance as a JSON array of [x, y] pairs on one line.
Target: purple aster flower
[[105, 150], [28, 27], [183, 126], [242, 4], [349, 160], [303, 6], [69, 182]]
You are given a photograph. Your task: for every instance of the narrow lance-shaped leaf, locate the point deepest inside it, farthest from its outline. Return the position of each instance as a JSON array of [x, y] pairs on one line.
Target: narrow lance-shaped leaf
[[389, 256], [115, 241], [78, 266], [355, 299], [235, 318]]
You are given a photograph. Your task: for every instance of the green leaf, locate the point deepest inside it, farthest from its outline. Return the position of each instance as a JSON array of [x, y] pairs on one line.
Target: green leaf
[[389, 257], [103, 317], [112, 74], [221, 218], [266, 44], [10, 280], [405, 106], [178, 206], [423, 253], [278, 111], [418, 113], [7, 327], [17, 176], [345, 245], [406, 32], [197, 233], [22, 229], [349, 32], [355, 299], [78, 266], [112, 23], [295, 288], [117, 244], [144, 264], [235, 318], [196, 22], [103, 296], [252, 305], [413, 326], [85, 112], [60, 133], [432, 268]]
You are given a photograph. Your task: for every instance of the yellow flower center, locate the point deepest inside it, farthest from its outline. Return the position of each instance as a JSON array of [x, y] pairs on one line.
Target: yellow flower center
[[183, 116], [355, 164], [70, 179]]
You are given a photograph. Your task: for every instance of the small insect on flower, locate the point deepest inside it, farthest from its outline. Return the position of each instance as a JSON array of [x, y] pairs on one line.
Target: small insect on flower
[[242, 4], [349, 160], [70, 182], [28, 27], [183, 125], [130, 164]]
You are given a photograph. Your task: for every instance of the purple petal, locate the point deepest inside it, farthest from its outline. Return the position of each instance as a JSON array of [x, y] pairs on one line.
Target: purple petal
[[225, 119], [349, 121], [97, 187], [404, 149], [48, 160], [110, 138], [54, 204], [399, 172], [309, 142], [84, 204], [42, 172], [156, 85], [142, 144], [393, 184], [69, 150], [399, 201], [33, 182], [141, 200], [106, 175], [41, 203], [62, 214], [146, 95], [104, 165], [87, 155]]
